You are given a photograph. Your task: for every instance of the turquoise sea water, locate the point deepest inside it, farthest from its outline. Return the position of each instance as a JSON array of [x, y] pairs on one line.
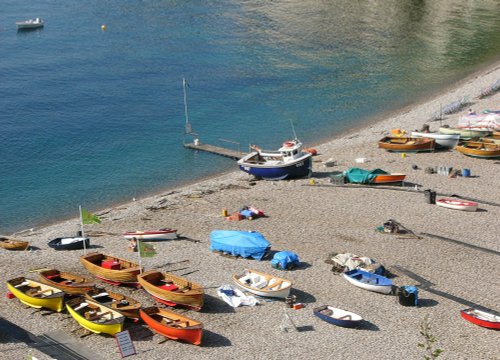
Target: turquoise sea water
[[91, 117]]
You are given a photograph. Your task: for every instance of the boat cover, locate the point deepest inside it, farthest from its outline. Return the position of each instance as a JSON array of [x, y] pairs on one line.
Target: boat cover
[[285, 260], [361, 176], [239, 243]]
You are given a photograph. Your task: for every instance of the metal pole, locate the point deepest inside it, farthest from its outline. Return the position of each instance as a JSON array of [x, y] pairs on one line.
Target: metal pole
[[83, 234]]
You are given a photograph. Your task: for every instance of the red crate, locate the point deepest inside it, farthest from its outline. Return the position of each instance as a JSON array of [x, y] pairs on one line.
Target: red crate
[[110, 264]]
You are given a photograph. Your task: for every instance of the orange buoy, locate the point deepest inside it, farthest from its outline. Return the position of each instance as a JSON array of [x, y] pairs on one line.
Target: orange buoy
[[288, 143]]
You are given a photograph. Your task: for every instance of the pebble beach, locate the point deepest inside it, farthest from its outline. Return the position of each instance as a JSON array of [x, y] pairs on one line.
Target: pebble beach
[[454, 270]]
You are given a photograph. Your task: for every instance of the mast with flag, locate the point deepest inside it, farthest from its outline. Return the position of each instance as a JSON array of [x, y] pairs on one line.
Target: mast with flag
[[144, 250], [87, 218]]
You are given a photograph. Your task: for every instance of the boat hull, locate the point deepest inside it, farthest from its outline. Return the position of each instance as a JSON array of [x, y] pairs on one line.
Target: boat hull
[[458, 204], [481, 318], [337, 316], [113, 321], [182, 292], [9, 243], [125, 305], [389, 178], [154, 317], [478, 149], [464, 134], [125, 275], [69, 283], [401, 144], [260, 284], [369, 281], [296, 169], [53, 298], [169, 234], [78, 244], [442, 140]]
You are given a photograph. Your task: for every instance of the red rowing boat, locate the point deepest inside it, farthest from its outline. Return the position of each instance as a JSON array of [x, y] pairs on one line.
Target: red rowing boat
[[388, 178], [171, 325], [481, 318]]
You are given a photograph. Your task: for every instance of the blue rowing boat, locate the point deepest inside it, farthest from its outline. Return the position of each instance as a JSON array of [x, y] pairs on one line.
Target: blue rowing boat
[[369, 281], [337, 316]]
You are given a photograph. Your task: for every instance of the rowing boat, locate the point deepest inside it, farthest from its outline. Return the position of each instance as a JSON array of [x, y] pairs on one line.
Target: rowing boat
[[36, 294], [369, 281], [95, 317], [263, 284], [406, 144], [127, 306], [69, 283], [337, 316], [480, 149], [172, 290], [481, 318], [458, 204], [10, 243], [111, 269], [162, 234], [173, 326]]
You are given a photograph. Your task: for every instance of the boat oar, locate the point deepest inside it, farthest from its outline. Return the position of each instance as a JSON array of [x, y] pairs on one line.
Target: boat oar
[[406, 229]]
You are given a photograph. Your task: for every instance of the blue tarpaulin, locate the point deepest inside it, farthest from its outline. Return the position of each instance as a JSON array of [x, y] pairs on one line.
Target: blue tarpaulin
[[285, 260], [239, 243]]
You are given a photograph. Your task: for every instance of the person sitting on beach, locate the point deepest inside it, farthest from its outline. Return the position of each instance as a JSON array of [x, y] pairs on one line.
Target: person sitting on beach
[[471, 112], [133, 245]]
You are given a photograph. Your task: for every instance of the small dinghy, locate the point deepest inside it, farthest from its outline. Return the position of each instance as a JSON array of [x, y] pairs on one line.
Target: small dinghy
[[125, 305], [234, 297], [369, 281], [10, 243], [481, 318], [69, 283], [36, 294], [29, 24], [69, 243], [95, 317], [162, 234], [457, 204], [172, 290], [111, 269], [263, 284], [172, 325], [337, 316]]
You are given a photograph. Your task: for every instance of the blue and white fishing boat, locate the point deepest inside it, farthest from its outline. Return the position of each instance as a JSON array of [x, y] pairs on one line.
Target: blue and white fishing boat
[[369, 281], [338, 316], [286, 163]]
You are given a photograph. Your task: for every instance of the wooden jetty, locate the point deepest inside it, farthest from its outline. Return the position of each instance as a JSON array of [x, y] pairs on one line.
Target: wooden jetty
[[232, 154]]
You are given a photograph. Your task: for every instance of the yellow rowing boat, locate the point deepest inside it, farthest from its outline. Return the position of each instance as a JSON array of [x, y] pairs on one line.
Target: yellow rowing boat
[[36, 294], [95, 317]]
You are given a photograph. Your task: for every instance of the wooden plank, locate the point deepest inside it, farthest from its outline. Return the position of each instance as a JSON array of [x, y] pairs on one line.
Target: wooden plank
[[232, 154]]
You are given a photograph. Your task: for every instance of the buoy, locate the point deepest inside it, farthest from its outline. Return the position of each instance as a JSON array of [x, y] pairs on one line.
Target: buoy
[[403, 155], [103, 27], [311, 182], [224, 212]]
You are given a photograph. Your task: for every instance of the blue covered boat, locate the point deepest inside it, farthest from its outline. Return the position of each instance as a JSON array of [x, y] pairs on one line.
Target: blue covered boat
[[286, 163], [337, 316], [369, 281], [239, 243]]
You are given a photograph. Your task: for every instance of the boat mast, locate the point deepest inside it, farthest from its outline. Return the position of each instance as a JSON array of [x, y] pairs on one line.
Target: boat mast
[[188, 128], [293, 129]]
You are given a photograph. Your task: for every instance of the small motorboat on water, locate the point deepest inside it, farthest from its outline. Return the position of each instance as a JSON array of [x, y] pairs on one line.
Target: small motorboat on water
[[30, 24], [162, 234], [290, 161]]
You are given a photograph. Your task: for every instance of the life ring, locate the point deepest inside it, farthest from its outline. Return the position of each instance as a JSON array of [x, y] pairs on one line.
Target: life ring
[[288, 144]]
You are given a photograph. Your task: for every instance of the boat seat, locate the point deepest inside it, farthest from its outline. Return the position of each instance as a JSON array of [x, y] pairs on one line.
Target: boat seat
[[259, 284], [41, 292], [345, 317], [273, 285]]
